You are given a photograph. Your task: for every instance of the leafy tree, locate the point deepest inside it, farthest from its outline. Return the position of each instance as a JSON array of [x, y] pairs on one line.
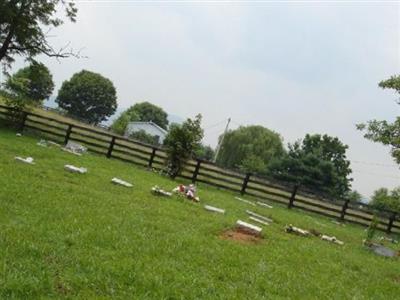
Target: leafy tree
[[150, 112], [24, 27], [144, 112], [253, 163], [385, 199], [204, 152], [181, 143], [354, 196], [28, 87], [33, 83], [144, 137], [88, 96], [250, 148], [119, 125], [318, 162], [385, 132]]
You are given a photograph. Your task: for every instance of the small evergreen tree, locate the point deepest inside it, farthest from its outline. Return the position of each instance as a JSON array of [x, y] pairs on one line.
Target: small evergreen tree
[[371, 231], [181, 143]]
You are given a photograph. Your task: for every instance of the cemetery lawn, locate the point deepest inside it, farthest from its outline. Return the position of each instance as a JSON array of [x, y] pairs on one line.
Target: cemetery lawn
[[65, 235]]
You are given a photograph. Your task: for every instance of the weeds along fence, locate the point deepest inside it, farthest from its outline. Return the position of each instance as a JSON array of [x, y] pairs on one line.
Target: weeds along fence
[[118, 147]]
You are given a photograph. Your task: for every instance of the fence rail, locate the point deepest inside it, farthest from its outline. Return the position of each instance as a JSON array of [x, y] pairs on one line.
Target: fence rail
[[119, 147]]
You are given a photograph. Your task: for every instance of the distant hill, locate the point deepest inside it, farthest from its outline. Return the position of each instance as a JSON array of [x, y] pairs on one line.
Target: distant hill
[[175, 119]]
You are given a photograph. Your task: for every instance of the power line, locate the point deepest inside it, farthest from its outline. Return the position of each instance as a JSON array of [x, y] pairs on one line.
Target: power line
[[215, 125], [377, 174], [236, 123], [374, 164]]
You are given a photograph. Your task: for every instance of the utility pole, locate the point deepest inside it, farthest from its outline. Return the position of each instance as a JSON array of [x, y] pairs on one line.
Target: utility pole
[[221, 140]]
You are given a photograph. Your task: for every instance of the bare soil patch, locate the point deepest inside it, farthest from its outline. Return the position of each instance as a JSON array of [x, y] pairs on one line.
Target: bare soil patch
[[241, 236]]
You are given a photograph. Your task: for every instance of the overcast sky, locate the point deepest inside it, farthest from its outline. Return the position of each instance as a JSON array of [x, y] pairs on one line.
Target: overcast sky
[[295, 68]]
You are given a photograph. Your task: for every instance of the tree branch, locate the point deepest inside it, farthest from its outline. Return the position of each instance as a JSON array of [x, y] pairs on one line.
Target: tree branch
[[50, 51]]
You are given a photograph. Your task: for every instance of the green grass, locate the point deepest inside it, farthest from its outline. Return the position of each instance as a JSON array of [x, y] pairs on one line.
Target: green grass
[[96, 141], [79, 236]]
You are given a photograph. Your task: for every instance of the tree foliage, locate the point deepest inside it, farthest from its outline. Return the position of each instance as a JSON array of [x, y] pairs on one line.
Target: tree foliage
[[147, 112], [354, 196], [392, 83], [385, 132], [204, 152], [385, 199], [33, 83], [24, 27], [119, 125], [181, 143], [27, 87], [144, 112], [250, 148], [317, 162], [88, 96]]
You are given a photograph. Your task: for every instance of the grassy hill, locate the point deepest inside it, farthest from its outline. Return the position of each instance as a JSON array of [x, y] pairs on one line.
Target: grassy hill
[[71, 235]]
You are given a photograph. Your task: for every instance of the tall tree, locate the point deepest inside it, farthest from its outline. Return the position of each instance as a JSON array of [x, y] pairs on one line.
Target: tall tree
[[88, 96], [250, 148], [142, 111], [317, 162], [385, 132], [181, 143], [385, 199], [24, 26]]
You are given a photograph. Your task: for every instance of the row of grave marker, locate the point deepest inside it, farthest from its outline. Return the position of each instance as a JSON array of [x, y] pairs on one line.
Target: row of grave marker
[[245, 226], [390, 224]]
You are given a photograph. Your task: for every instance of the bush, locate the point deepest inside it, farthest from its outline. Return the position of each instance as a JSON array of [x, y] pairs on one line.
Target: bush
[[144, 137]]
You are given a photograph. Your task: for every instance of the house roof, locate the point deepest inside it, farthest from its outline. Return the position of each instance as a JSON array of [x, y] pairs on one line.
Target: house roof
[[150, 123]]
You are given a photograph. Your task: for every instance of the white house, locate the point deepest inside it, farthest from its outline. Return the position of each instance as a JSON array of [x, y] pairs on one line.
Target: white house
[[148, 127]]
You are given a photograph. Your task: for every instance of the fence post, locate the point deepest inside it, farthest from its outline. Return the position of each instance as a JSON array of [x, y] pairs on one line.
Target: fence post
[[390, 224], [293, 196], [22, 125], [153, 153], [67, 134], [196, 171], [111, 147], [245, 182], [344, 208]]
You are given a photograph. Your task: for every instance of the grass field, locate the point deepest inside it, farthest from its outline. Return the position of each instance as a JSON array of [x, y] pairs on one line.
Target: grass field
[[66, 235], [98, 140]]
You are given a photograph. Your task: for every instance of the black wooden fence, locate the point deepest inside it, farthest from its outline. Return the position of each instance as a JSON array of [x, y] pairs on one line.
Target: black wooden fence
[[119, 147]]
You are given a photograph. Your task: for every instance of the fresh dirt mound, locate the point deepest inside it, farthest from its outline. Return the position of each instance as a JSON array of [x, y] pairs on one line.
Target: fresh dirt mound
[[241, 236]]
